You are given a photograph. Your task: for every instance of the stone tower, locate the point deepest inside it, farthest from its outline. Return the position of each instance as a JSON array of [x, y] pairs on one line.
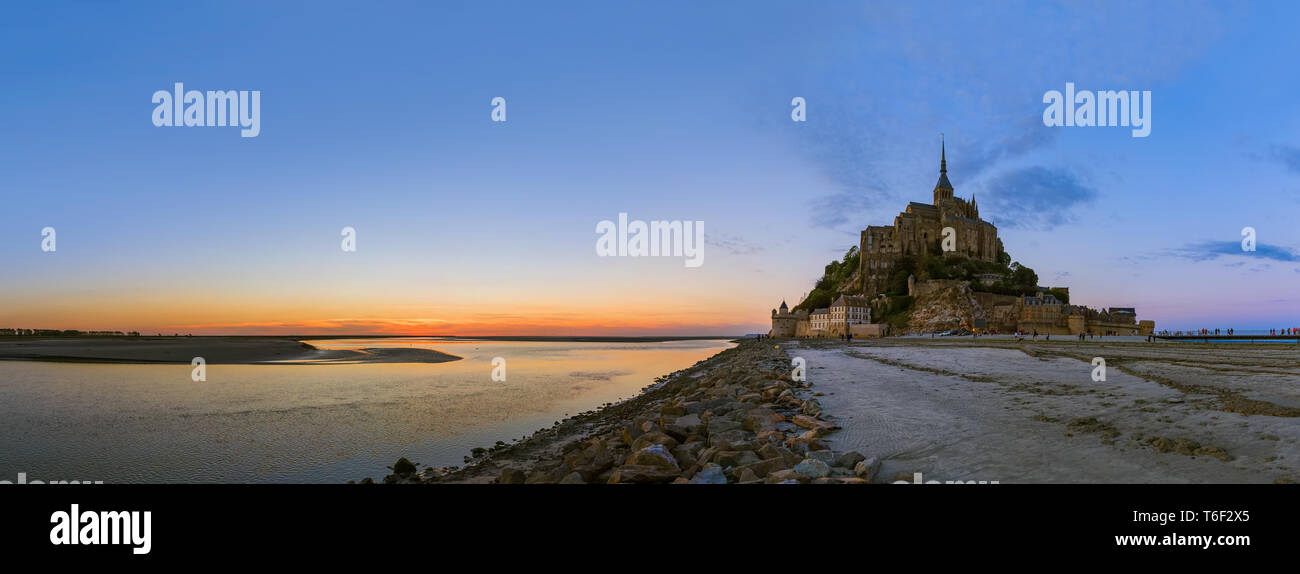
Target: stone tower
[[943, 189]]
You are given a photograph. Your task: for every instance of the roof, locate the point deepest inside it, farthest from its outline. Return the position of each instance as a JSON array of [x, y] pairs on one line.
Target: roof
[[943, 182], [822, 311], [850, 301]]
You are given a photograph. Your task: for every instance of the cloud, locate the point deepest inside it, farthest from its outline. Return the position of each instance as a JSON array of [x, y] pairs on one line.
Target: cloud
[[977, 157], [1288, 156], [835, 209], [733, 244], [1034, 197], [1207, 250]]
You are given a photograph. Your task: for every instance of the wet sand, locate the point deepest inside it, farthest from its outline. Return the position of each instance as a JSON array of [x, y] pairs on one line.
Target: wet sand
[[997, 410], [214, 350]]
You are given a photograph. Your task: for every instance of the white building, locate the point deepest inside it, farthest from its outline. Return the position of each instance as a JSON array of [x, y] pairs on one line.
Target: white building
[[850, 310], [820, 320]]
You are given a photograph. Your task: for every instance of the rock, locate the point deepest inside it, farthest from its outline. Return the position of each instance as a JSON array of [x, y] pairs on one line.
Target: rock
[[785, 477], [810, 408], [867, 469], [761, 419], [688, 421], [630, 433], [673, 410], [638, 474], [764, 467], [652, 438], [804, 442], [848, 460], [591, 461], [403, 467], [656, 455], [683, 456], [717, 426], [825, 456], [710, 474], [746, 475], [834, 480], [813, 468], [511, 476], [821, 426], [727, 438], [572, 478], [735, 457], [539, 477]]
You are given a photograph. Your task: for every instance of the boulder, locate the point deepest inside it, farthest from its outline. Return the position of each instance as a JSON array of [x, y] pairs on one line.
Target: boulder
[[710, 474], [727, 438], [825, 456], [655, 437], [572, 478], [511, 476], [785, 477], [717, 425], [735, 458], [821, 426], [638, 474], [867, 469], [813, 468], [655, 455], [764, 467], [849, 459]]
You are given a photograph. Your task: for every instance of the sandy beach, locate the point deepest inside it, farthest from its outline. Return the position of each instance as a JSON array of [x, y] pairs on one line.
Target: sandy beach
[[214, 350], [993, 409]]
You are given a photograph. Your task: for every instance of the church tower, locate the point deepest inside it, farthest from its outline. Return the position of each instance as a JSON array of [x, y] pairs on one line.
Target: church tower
[[943, 189]]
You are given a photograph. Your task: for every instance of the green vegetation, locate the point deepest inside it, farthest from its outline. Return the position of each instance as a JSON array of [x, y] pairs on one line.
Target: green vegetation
[[841, 277], [1016, 278], [895, 310], [836, 280]]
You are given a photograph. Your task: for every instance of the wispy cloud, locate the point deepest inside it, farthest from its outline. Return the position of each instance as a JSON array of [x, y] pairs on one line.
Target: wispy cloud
[[1288, 156], [1035, 197], [1028, 135], [837, 209], [1207, 250], [732, 244]]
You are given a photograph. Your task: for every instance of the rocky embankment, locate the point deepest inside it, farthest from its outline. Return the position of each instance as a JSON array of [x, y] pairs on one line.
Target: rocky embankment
[[945, 309], [737, 417]]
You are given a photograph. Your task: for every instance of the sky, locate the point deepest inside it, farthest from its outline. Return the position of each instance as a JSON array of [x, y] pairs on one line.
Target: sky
[[379, 117]]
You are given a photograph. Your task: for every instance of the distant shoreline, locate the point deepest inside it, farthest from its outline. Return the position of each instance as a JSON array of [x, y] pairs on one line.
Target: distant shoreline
[[555, 338], [215, 350]]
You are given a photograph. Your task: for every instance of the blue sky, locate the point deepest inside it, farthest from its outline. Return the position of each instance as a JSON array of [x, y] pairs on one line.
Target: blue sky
[[378, 117]]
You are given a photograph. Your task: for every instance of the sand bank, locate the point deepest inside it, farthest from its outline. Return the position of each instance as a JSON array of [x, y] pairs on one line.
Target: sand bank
[[1031, 412], [214, 350]]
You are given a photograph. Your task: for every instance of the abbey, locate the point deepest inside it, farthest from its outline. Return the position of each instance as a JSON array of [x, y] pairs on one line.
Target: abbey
[[920, 227]]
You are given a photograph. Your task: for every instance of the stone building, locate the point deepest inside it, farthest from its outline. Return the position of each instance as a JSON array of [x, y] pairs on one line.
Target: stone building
[[920, 227], [819, 321], [849, 310], [786, 324]]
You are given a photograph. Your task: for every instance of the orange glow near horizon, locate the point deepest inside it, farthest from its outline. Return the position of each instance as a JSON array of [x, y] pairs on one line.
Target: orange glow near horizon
[[592, 318]]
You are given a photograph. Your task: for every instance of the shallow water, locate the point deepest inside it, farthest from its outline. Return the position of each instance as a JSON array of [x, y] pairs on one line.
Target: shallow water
[[307, 423]]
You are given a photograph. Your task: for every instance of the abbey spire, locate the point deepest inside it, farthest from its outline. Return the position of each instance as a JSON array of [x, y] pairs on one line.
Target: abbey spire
[[943, 189]]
